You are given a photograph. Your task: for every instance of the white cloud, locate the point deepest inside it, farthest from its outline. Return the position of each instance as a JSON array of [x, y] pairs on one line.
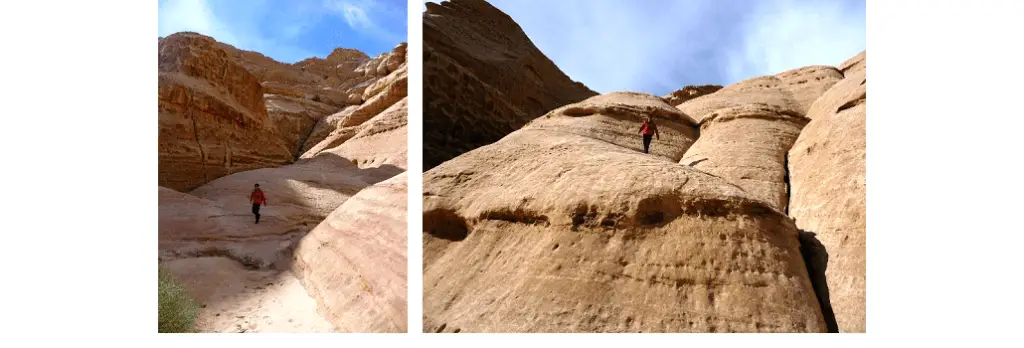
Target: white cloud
[[356, 17], [241, 31], [788, 35], [360, 15], [657, 47], [195, 16]]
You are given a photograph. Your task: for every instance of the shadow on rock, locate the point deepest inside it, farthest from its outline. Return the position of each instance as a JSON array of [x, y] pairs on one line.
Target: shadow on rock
[[816, 259]]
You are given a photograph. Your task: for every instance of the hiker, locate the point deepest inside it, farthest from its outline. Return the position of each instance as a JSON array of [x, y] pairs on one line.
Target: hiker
[[649, 129], [257, 198]]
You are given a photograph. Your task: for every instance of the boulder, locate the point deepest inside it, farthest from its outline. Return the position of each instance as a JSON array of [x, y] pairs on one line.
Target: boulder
[[354, 263], [747, 145], [793, 91], [828, 195], [558, 232], [616, 118]]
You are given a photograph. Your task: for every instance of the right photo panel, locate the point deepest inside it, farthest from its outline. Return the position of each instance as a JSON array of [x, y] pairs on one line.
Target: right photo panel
[[644, 166]]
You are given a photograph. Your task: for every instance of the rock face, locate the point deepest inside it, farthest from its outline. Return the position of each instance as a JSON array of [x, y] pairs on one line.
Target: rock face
[[616, 118], [335, 126], [827, 168], [588, 236], [214, 218], [483, 78], [381, 141], [224, 110], [855, 64], [564, 225], [792, 91], [747, 145], [689, 92], [212, 117], [355, 261], [295, 117]]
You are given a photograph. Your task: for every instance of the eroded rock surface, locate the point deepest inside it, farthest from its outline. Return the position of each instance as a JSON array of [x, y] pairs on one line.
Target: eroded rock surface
[[689, 92], [792, 91], [559, 223], [747, 145], [587, 236], [616, 118], [483, 78], [212, 118], [827, 199], [355, 261], [347, 107]]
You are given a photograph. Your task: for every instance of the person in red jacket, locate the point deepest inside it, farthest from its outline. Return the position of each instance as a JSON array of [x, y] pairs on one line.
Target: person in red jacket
[[256, 198], [649, 129]]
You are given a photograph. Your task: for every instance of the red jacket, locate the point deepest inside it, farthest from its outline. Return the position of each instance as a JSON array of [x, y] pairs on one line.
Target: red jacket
[[257, 197], [649, 128]]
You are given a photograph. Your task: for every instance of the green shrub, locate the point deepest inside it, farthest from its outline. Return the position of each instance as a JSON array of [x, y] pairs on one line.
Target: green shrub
[[177, 310]]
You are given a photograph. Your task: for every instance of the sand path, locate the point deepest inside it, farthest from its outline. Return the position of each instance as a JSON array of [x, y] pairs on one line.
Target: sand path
[[236, 299]]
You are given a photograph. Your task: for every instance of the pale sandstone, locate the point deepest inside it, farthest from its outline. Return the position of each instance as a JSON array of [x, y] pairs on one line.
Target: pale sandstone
[[537, 233], [827, 178], [793, 91], [689, 92], [235, 299], [209, 230], [850, 89], [381, 141], [747, 145], [355, 261], [395, 88], [855, 64], [295, 118], [216, 218], [616, 118], [327, 126]]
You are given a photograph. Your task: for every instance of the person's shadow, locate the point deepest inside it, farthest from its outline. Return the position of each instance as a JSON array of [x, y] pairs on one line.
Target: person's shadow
[[816, 258]]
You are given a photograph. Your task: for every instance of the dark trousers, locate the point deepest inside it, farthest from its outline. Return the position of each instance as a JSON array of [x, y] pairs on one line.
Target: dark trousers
[[647, 141], [256, 211]]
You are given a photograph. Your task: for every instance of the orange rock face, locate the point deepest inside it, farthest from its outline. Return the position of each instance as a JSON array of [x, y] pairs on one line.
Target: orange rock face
[[212, 117], [314, 135]]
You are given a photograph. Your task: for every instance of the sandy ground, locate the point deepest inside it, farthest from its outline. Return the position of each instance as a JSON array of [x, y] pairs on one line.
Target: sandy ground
[[235, 299]]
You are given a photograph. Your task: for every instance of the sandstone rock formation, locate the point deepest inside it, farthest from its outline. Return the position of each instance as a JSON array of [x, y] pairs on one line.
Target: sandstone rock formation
[[792, 91], [212, 117], [855, 64], [747, 145], [483, 78], [827, 173], [615, 117], [354, 262], [588, 236], [684, 94], [564, 225], [283, 110]]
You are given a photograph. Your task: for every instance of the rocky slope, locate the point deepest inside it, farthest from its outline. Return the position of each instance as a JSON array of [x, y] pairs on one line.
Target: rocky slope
[[212, 117], [483, 78], [684, 94], [355, 260], [208, 222], [828, 192], [564, 225]]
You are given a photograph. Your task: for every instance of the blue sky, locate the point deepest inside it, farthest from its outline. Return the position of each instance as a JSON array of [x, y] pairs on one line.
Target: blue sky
[[658, 46], [291, 30]]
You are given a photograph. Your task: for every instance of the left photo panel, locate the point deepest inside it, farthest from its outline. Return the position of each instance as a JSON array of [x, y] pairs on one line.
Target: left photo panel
[[282, 166]]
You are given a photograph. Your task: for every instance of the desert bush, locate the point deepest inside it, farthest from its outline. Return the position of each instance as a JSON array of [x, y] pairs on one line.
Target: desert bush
[[177, 310]]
